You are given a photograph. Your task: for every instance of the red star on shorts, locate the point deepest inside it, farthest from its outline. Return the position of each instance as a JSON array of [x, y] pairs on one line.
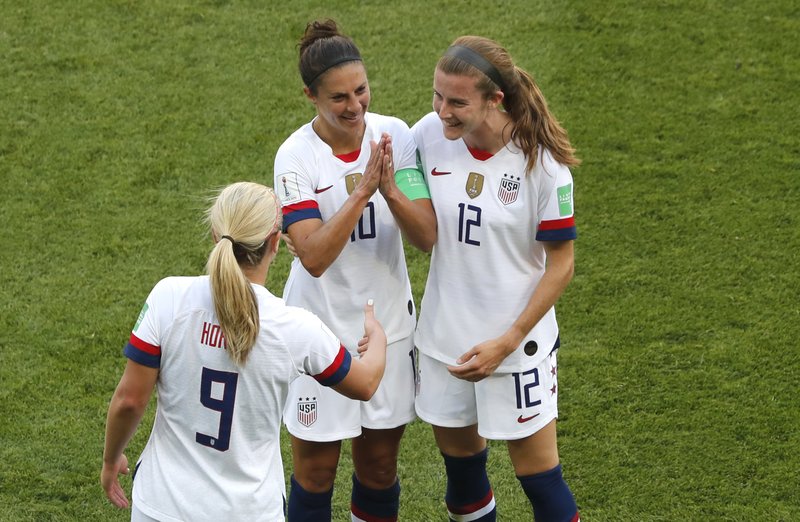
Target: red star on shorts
[[553, 390], [553, 370]]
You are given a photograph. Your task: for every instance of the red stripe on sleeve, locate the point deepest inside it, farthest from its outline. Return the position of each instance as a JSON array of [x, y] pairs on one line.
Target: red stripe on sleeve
[[557, 224], [303, 205], [330, 370], [145, 347]]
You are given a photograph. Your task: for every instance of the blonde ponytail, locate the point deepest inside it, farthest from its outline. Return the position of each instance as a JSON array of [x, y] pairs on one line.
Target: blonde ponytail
[[243, 217]]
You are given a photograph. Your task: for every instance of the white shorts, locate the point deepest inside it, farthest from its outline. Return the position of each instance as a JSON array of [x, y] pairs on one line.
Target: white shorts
[[137, 515], [316, 413], [505, 406]]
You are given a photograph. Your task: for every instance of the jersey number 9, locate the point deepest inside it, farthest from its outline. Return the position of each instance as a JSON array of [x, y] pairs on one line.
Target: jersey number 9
[[224, 406]]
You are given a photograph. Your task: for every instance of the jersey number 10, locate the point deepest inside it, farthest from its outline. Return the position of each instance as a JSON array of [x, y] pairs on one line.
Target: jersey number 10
[[366, 224]]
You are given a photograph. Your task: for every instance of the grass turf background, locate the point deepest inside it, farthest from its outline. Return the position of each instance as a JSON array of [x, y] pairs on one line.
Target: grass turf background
[[680, 363]]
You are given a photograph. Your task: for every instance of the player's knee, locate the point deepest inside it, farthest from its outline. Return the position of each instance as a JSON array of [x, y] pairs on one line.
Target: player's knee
[[379, 473], [315, 478]]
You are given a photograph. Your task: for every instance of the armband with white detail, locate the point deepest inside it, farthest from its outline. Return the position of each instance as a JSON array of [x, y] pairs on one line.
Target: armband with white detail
[[412, 183]]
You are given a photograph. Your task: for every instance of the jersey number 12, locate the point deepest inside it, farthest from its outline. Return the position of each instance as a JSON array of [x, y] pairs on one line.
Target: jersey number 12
[[466, 223]]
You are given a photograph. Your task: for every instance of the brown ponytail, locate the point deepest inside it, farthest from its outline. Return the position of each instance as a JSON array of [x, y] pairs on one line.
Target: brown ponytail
[[524, 102], [323, 47]]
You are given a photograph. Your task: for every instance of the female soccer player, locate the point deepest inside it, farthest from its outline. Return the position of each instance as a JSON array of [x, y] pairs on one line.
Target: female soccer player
[[221, 351], [496, 162], [349, 187]]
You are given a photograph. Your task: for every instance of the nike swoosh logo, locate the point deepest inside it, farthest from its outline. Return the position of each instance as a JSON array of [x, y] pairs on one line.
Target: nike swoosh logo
[[435, 172], [522, 419], [321, 190]]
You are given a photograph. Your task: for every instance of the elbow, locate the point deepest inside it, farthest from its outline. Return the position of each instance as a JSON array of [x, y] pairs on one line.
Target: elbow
[[314, 268], [426, 241], [368, 390], [427, 244], [129, 404], [315, 272], [361, 393], [368, 386], [567, 275]]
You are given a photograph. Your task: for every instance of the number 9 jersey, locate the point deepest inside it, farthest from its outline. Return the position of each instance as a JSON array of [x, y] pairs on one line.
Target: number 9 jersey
[[488, 259], [214, 450]]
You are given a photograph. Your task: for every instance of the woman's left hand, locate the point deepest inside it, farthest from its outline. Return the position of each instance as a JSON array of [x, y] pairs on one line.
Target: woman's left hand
[[482, 360], [387, 175], [109, 479]]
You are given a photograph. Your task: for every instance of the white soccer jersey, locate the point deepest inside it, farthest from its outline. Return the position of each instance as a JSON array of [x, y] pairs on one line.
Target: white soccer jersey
[[488, 257], [214, 451], [313, 183]]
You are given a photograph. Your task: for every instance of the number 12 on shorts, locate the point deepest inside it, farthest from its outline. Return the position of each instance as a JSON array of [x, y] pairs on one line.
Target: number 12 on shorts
[[524, 383]]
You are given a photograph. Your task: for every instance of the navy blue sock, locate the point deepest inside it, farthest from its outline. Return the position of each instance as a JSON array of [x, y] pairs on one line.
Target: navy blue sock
[[375, 505], [550, 496], [468, 489], [305, 506]]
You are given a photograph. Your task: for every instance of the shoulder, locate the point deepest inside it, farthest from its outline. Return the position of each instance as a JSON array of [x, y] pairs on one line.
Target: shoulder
[[275, 310], [549, 167], [427, 121], [297, 326], [298, 141], [175, 285], [428, 126], [386, 122], [397, 128], [174, 296]]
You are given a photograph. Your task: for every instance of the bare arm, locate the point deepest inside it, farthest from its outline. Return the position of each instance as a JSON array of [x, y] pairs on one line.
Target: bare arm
[[124, 414], [319, 243], [366, 372], [416, 219], [483, 359]]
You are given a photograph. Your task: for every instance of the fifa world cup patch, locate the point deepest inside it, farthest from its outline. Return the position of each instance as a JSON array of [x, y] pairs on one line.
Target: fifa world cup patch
[[141, 317], [565, 200], [307, 411], [288, 188], [509, 189]]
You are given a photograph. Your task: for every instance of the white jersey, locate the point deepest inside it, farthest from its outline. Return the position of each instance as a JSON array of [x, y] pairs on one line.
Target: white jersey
[[489, 256], [313, 183], [214, 451]]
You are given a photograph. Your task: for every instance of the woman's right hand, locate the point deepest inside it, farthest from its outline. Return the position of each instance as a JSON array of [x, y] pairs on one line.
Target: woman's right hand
[[373, 331], [371, 179]]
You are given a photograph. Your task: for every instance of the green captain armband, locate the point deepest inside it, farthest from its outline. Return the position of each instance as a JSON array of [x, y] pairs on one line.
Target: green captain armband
[[411, 182]]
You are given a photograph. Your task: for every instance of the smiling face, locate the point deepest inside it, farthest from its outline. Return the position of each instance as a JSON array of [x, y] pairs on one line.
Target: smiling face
[[460, 105], [342, 98]]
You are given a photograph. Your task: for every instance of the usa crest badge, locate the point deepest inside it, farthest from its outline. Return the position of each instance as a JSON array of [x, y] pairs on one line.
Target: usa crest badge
[[307, 411], [351, 181], [474, 185], [509, 189]]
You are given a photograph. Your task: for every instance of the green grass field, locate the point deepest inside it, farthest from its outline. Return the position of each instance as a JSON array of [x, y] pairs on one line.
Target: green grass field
[[680, 365]]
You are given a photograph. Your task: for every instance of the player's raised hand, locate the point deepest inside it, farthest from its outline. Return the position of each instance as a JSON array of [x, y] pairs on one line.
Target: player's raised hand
[[109, 479], [371, 178], [387, 176], [482, 360], [373, 331]]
